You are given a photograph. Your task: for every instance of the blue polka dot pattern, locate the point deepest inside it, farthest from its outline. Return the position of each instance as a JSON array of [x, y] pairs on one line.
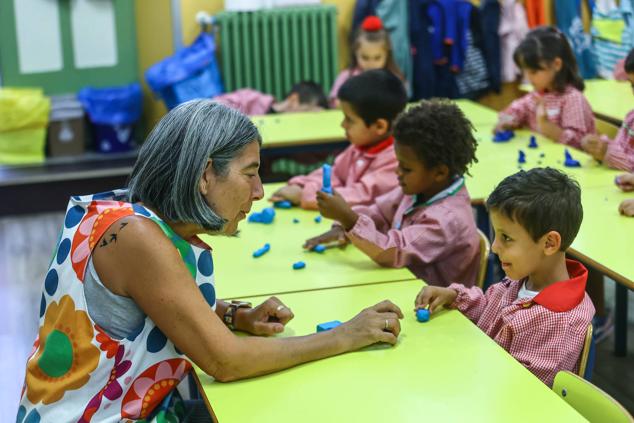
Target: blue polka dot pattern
[[73, 217], [156, 340], [42, 305], [102, 195], [209, 293], [50, 283], [33, 417], [63, 250], [136, 332], [205, 263], [141, 210]]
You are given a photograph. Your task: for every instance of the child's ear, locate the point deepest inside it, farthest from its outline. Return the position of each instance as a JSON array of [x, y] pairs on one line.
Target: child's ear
[[557, 64], [552, 242], [206, 179], [441, 173], [381, 126]]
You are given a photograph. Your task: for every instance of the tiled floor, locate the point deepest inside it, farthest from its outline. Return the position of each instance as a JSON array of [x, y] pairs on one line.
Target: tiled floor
[[26, 246]]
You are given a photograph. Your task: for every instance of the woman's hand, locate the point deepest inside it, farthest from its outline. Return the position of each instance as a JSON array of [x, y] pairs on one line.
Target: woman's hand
[[593, 145], [434, 297], [626, 208], [292, 193], [336, 234], [379, 323], [266, 319], [335, 207], [625, 182]]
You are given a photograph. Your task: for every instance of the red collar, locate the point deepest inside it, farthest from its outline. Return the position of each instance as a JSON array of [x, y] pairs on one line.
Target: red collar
[[378, 147], [565, 295]]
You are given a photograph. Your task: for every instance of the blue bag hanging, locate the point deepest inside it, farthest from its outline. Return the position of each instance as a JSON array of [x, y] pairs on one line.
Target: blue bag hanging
[[113, 112], [191, 73]]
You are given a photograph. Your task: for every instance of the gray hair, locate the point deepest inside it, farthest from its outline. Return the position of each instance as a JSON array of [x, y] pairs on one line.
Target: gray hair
[[173, 158]]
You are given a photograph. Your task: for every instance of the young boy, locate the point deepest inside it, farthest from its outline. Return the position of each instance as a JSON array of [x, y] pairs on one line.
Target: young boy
[[619, 153], [363, 171], [540, 312], [426, 224]]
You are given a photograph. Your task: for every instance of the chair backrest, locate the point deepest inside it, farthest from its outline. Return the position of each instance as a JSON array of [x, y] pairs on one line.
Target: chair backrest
[[589, 401], [485, 249], [606, 128], [585, 352]]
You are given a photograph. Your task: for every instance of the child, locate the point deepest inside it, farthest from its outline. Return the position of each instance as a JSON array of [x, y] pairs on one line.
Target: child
[[626, 183], [556, 108], [305, 96], [371, 49], [618, 154], [363, 171], [426, 224], [540, 312]]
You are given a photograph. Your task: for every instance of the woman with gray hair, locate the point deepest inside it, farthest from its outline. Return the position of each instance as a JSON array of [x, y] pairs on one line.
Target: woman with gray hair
[[129, 300]]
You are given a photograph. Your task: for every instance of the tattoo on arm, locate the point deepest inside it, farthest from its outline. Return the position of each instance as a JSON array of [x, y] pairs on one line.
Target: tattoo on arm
[[112, 236]]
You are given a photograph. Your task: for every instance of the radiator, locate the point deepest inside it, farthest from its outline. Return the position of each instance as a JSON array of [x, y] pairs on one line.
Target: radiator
[[270, 50]]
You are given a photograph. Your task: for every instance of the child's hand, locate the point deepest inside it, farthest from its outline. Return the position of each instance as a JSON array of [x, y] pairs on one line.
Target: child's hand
[[434, 297], [626, 208], [292, 193], [505, 123], [336, 234], [593, 145], [540, 113], [335, 207], [625, 182]]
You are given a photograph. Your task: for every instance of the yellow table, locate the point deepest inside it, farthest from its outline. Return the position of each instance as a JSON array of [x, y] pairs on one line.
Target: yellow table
[[443, 370], [611, 100], [295, 129], [239, 275], [477, 113], [498, 160]]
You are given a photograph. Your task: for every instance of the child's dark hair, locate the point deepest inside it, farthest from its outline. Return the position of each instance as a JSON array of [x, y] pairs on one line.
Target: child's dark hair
[[374, 94], [543, 45], [439, 133], [629, 62], [540, 200], [372, 30], [310, 92]]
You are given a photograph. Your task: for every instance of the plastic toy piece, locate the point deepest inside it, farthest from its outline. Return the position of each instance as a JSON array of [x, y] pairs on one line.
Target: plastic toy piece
[[266, 216], [296, 220], [326, 183], [533, 142], [521, 158], [299, 265], [318, 219], [422, 315], [503, 136], [319, 248], [569, 161], [328, 325], [261, 251], [284, 204]]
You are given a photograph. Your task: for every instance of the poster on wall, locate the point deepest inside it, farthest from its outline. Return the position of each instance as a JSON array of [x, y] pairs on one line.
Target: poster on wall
[[93, 33], [38, 36]]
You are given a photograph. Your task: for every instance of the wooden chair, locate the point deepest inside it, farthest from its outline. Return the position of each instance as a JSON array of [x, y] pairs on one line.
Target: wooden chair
[[589, 401], [485, 249]]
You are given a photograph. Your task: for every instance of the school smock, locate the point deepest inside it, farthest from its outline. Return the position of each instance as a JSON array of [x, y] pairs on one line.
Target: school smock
[[359, 174], [437, 239], [620, 151], [546, 333], [78, 373], [569, 110]]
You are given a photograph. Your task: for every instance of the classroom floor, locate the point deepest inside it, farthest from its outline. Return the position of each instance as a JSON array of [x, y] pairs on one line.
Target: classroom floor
[[26, 247]]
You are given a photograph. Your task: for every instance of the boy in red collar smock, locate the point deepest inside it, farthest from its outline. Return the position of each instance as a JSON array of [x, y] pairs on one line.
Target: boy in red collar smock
[[540, 312], [366, 169]]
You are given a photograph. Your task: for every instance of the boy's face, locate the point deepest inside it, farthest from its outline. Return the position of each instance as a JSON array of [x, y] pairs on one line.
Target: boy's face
[[519, 254], [413, 176], [357, 132]]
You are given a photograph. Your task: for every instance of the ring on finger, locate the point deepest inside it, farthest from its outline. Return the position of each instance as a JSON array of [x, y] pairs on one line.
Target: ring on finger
[[280, 307], [387, 325]]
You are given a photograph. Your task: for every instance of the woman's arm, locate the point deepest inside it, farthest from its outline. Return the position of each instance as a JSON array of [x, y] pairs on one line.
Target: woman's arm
[[144, 265]]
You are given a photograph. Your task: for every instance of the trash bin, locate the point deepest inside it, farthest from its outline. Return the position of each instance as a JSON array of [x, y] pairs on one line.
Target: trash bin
[[24, 116], [189, 74], [113, 112], [66, 133]]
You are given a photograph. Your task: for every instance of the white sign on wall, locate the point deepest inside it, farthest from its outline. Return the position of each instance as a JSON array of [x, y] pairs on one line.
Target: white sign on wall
[[38, 37], [93, 33]]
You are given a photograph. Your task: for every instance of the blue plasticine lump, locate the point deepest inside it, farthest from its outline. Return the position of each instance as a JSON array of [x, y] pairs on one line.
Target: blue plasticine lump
[[296, 220], [503, 136], [521, 158], [327, 325], [422, 315], [326, 181], [533, 142], [261, 251], [285, 204], [299, 265], [319, 248], [318, 219], [266, 216], [569, 161]]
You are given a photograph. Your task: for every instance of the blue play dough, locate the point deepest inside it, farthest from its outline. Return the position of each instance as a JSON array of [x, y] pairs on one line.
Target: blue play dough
[[318, 219], [422, 315], [261, 251], [521, 157], [503, 136], [295, 220], [319, 248], [285, 204], [326, 184], [299, 265], [327, 325], [569, 161], [266, 216], [533, 142]]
